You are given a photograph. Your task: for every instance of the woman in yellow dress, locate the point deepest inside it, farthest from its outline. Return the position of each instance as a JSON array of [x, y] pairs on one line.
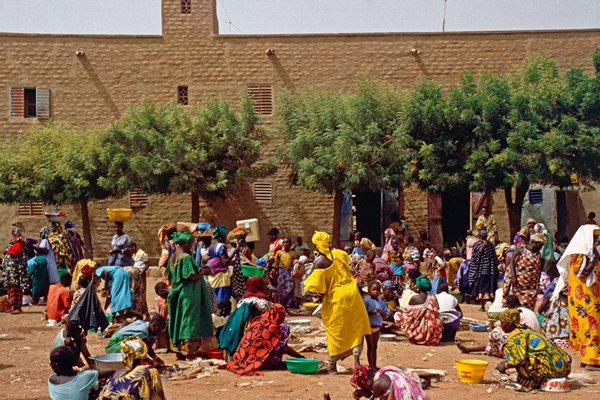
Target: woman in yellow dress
[[579, 267], [344, 313]]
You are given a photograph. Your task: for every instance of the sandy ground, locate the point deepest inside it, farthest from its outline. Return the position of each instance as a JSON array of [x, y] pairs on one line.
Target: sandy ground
[[24, 369]]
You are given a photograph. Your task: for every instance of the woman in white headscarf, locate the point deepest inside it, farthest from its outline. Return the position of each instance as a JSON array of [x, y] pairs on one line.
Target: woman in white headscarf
[[579, 267]]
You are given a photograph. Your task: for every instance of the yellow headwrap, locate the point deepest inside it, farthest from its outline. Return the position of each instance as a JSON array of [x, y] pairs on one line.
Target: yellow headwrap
[[538, 237], [511, 316], [133, 348], [531, 221], [322, 241]]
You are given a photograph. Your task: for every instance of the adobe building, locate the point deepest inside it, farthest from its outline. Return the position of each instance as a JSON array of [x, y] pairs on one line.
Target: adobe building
[[89, 80]]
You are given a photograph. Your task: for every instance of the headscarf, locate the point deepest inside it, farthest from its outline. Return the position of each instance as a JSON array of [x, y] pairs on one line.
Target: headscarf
[[531, 221], [388, 285], [302, 259], [44, 232], [219, 232], [423, 283], [482, 233], [322, 241], [582, 243], [538, 237], [18, 227], [133, 348], [255, 287], [182, 237], [69, 225], [164, 231], [512, 316], [366, 244], [540, 228]]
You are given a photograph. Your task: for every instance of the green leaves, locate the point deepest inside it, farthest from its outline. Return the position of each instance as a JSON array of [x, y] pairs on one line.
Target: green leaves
[[163, 148], [336, 142]]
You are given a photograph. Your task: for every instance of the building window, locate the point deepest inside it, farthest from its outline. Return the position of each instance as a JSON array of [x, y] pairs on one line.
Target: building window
[[30, 102], [263, 192], [262, 96], [31, 209], [137, 198], [536, 196], [186, 6], [182, 95]]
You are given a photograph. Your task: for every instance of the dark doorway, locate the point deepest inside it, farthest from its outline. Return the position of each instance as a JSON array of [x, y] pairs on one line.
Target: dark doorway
[[368, 215], [455, 215], [562, 216]]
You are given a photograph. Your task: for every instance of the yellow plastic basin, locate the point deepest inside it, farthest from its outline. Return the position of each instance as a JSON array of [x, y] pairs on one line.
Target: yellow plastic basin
[[470, 370], [119, 214]]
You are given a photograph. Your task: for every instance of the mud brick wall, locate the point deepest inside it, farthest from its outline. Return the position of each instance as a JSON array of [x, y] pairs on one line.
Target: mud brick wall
[[115, 72]]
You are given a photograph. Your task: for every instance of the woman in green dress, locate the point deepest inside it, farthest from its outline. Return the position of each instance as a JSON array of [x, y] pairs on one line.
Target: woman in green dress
[[190, 312]]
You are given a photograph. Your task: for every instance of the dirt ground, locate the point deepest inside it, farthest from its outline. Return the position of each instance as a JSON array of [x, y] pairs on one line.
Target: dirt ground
[[25, 343]]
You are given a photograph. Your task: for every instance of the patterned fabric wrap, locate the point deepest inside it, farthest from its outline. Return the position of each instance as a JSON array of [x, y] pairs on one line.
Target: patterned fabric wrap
[[422, 323], [133, 348], [14, 266], [141, 383], [525, 280], [483, 271], [404, 386], [261, 344], [362, 380], [535, 357]]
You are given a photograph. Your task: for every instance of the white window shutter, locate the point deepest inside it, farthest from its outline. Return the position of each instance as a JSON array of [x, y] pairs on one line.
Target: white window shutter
[[42, 102]]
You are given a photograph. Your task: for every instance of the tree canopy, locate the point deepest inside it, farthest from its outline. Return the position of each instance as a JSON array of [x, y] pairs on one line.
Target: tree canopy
[[165, 149]]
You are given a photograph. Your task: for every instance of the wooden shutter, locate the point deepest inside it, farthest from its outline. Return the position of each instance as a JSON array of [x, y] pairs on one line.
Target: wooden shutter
[[42, 103], [262, 96], [263, 192], [137, 198], [434, 208], [30, 209], [17, 102]]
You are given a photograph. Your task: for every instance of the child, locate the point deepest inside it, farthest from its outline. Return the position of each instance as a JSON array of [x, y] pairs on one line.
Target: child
[[298, 273], [140, 258], [376, 309], [284, 262], [394, 259], [365, 269], [162, 291], [59, 300], [439, 272], [389, 295], [83, 283], [65, 382], [74, 337]]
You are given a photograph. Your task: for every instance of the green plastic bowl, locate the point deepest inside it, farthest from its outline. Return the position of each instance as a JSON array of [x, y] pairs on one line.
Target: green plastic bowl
[[302, 365], [249, 271]]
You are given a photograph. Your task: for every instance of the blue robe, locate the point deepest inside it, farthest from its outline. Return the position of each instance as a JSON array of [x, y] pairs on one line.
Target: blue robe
[[120, 287]]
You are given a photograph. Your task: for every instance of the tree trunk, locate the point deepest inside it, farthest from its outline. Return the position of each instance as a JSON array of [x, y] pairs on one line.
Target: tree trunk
[[195, 206], [338, 197], [87, 233], [515, 208]]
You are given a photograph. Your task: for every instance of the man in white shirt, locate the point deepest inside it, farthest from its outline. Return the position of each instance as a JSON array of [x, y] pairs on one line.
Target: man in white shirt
[[446, 301]]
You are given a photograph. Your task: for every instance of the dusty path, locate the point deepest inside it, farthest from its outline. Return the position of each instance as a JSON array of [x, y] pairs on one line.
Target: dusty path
[[25, 342]]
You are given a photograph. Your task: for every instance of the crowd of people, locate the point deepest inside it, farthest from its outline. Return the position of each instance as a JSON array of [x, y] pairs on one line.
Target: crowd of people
[[206, 300]]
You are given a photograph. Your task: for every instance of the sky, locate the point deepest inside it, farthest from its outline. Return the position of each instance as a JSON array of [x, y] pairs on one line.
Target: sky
[[143, 17]]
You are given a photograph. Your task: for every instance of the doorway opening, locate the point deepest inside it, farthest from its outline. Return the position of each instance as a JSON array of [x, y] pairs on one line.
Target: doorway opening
[[367, 212], [455, 215]]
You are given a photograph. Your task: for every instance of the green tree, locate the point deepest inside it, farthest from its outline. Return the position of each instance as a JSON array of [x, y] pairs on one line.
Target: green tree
[[56, 164], [537, 126], [336, 142], [164, 148]]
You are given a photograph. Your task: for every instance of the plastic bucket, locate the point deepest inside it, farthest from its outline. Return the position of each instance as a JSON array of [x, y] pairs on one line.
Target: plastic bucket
[[471, 370]]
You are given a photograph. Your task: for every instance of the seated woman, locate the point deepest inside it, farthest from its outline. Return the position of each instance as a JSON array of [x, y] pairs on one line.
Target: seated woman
[[534, 357], [65, 382], [255, 301], [420, 320], [148, 331], [135, 381], [263, 345]]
